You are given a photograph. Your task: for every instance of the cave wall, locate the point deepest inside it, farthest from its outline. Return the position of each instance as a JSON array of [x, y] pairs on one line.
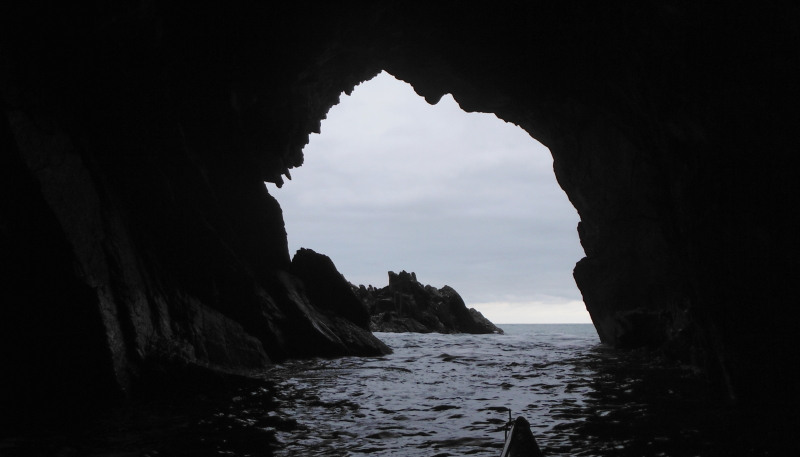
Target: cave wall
[[672, 128], [137, 139], [136, 222]]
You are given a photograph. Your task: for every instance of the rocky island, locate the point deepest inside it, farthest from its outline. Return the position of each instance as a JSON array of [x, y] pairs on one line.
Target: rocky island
[[405, 305]]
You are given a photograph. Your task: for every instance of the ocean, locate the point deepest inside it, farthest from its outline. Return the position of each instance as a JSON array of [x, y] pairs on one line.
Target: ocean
[[448, 395], [439, 396]]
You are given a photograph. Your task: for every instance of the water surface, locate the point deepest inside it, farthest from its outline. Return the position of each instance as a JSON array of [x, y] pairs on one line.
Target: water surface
[[439, 395]]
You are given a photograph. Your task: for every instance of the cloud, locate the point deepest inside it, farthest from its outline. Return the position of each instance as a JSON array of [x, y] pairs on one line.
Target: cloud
[[571, 312], [463, 199]]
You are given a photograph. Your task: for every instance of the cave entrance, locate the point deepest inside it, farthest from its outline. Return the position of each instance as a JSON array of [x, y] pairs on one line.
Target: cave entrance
[[462, 199]]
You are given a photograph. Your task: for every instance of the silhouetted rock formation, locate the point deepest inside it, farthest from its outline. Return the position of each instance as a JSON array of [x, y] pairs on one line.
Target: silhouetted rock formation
[[327, 288], [405, 305], [482, 321], [136, 229]]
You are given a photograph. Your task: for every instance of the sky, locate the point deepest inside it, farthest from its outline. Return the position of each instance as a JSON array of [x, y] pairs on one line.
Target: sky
[[461, 199]]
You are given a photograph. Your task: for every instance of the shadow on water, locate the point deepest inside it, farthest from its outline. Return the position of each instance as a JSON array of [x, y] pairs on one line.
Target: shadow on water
[[446, 395], [206, 416], [437, 395], [645, 406]]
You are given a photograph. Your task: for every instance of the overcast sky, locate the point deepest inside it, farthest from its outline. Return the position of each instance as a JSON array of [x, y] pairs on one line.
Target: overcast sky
[[462, 199]]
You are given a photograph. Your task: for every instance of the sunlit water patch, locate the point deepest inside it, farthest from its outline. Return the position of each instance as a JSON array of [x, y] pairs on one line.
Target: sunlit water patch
[[438, 395]]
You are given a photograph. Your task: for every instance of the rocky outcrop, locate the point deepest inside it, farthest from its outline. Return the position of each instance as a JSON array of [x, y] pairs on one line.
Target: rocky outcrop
[[136, 229], [327, 288], [405, 305], [482, 321], [111, 285]]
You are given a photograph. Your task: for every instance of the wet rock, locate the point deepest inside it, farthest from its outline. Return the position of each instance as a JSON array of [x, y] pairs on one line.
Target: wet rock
[[405, 305], [309, 331], [479, 318], [391, 322], [326, 287]]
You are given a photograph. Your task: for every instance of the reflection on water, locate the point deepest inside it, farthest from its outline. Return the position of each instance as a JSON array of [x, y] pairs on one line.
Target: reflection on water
[[445, 395], [437, 395], [440, 394]]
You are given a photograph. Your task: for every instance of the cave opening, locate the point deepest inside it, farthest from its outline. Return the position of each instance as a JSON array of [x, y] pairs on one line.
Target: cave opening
[[141, 240], [465, 199]]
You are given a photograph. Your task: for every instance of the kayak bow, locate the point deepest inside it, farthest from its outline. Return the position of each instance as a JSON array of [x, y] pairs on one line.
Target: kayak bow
[[520, 441]]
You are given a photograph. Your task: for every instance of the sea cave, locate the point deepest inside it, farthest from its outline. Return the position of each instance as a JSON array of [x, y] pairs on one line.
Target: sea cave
[[142, 249]]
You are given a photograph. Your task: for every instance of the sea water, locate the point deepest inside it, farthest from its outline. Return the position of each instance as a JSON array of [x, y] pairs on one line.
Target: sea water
[[439, 395], [449, 395]]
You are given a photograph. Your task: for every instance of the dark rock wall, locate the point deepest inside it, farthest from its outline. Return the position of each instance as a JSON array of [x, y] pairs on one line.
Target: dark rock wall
[[136, 218], [51, 328], [137, 138]]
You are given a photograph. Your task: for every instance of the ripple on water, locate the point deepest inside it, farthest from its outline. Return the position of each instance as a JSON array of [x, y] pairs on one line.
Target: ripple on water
[[447, 395], [436, 395]]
